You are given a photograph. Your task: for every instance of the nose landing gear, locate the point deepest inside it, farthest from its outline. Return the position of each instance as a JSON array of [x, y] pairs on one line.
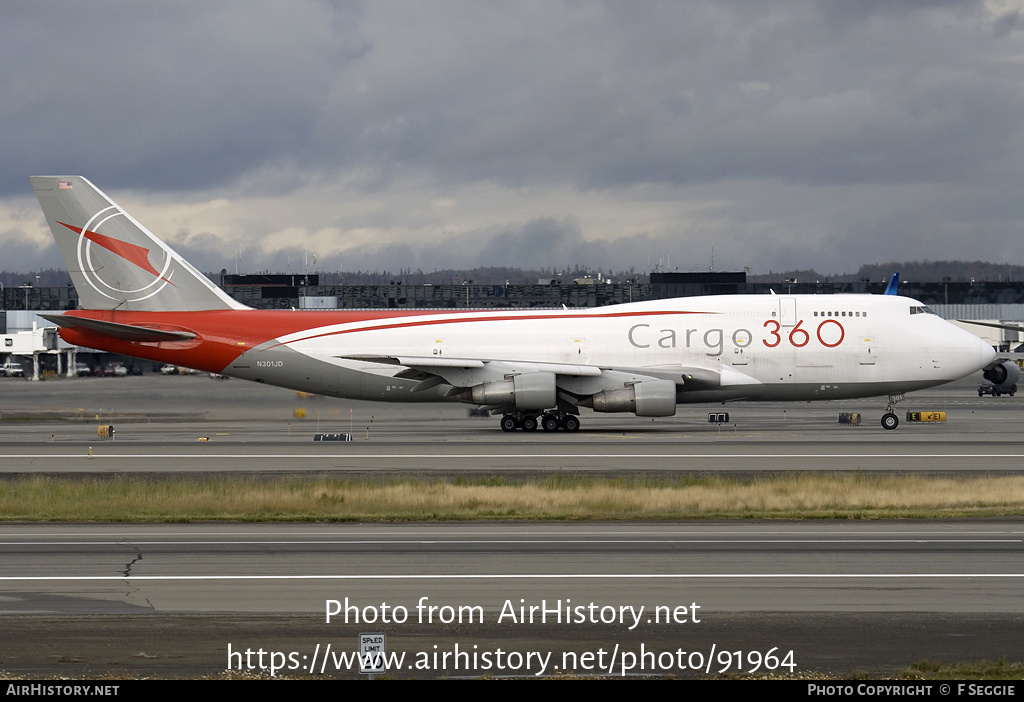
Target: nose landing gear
[[889, 419]]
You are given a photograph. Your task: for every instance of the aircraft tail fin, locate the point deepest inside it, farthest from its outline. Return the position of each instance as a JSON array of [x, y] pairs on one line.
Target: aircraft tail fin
[[893, 287], [114, 261]]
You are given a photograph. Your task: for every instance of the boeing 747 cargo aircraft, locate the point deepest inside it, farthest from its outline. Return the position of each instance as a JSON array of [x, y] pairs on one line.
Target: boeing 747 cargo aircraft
[[534, 368]]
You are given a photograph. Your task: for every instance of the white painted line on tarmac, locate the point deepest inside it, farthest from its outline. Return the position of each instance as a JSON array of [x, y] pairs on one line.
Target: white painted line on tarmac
[[459, 541], [491, 456], [440, 535], [516, 576]]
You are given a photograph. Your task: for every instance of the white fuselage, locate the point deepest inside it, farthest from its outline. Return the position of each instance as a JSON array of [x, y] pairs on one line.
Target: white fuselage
[[761, 347]]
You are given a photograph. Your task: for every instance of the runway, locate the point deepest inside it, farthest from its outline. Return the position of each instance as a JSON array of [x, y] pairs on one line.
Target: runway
[[181, 600], [762, 566], [892, 593]]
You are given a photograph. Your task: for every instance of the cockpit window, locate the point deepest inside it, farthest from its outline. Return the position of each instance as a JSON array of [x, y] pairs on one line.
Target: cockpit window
[[920, 310]]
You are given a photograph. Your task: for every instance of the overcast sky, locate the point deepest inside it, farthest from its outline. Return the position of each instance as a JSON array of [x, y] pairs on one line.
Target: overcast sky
[[386, 135]]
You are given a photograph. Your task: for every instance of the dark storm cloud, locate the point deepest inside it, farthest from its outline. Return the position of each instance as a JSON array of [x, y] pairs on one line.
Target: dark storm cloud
[[184, 96], [162, 95], [608, 95], [802, 128]]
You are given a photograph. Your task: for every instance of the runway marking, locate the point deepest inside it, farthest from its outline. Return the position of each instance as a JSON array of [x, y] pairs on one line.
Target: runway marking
[[660, 533], [512, 576], [456, 541], [491, 456]]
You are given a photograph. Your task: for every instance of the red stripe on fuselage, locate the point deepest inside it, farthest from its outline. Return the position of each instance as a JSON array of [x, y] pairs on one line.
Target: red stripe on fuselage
[[491, 318], [224, 335]]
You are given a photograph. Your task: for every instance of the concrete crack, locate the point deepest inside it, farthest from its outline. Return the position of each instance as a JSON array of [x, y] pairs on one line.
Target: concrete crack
[[127, 572], [138, 557]]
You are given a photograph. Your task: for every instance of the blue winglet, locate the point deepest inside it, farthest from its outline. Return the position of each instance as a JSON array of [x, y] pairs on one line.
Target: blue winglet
[[890, 289]]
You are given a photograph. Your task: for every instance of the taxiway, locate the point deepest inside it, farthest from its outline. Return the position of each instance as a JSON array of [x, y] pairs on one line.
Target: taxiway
[[195, 424]]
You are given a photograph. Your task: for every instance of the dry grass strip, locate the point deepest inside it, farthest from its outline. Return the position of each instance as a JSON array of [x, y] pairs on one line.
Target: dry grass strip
[[816, 495]]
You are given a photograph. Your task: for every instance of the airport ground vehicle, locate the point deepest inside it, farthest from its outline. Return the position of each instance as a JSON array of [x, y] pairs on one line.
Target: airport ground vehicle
[[113, 370], [12, 369], [535, 368], [996, 390]]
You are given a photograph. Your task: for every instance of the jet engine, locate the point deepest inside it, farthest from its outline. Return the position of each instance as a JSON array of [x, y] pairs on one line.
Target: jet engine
[[527, 391], [648, 398], [1005, 373]]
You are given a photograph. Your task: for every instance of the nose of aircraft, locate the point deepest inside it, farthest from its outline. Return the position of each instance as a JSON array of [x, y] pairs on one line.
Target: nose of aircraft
[[988, 354], [979, 353], [968, 352]]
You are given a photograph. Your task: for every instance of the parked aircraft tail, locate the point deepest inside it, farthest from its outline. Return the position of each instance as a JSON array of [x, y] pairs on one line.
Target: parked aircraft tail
[[114, 261], [893, 287]]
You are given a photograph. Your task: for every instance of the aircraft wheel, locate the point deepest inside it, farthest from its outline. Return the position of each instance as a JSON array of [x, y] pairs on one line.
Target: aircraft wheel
[[549, 422], [529, 424], [890, 421], [509, 423], [571, 423]]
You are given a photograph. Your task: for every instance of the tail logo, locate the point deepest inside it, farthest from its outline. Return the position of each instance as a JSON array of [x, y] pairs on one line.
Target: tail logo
[[138, 256]]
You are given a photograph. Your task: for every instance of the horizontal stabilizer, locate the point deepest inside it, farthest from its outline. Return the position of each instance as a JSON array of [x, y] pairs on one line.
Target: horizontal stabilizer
[[126, 332]]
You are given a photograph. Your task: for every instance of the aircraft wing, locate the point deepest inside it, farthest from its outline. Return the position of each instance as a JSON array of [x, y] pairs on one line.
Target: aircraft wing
[[467, 372], [579, 380], [994, 325]]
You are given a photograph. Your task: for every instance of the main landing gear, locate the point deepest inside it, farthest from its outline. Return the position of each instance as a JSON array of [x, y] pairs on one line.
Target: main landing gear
[[889, 419], [549, 421]]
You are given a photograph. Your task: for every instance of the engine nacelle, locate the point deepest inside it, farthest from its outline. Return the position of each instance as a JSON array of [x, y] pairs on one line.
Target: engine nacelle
[[1005, 373], [649, 398], [528, 391]]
